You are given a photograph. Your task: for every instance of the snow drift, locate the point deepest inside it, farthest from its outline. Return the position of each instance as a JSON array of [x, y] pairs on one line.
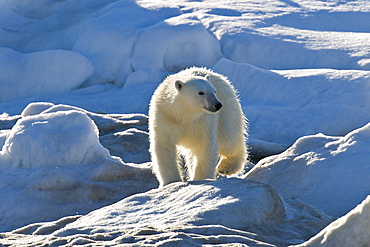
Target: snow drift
[[177, 43], [58, 139], [349, 230], [330, 173], [54, 157], [194, 213], [38, 73]]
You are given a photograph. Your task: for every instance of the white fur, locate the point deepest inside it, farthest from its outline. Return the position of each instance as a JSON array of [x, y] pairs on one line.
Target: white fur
[[182, 121]]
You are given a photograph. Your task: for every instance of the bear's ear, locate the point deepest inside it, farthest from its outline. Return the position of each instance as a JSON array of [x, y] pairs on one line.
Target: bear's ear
[[179, 84], [208, 77]]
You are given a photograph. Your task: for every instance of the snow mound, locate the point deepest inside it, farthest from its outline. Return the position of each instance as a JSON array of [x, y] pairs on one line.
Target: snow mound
[[329, 173], [38, 73], [106, 123], [124, 135], [54, 158], [198, 204], [176, 43], [60, 139], [187, 214], [36, 108], [349, 230]]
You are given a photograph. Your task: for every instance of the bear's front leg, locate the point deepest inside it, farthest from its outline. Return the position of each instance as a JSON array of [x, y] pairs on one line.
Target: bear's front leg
[[164, 158], [205, 161]]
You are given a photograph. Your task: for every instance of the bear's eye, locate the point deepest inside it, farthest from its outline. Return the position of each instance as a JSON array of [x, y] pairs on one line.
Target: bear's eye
[[201, 93]]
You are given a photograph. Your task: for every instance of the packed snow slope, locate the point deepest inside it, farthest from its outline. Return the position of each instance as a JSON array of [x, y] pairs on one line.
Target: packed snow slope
[[347, 230], [76, 78], [53, 163], [186, 214], [338, 164]]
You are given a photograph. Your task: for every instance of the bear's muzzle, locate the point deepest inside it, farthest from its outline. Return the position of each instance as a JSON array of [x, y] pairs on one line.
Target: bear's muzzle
[[214, 108]]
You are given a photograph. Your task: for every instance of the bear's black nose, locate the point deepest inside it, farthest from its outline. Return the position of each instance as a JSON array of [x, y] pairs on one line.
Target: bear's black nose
[[218, 106]]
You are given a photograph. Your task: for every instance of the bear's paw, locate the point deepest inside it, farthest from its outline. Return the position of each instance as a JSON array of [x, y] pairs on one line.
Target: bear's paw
[[229, 166]]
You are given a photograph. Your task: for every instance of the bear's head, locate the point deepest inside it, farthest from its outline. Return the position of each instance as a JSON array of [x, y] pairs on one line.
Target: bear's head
[[198, 94]]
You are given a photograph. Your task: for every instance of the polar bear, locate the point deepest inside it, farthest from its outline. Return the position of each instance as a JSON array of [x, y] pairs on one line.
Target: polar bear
[[196, 114]]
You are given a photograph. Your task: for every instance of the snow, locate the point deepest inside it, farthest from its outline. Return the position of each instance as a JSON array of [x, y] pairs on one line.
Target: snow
[[34, 141], [44, 72], [338, 164], [349, 230], [55, 157], [190, 45], [36, 108], [76, 78], [192, 213]]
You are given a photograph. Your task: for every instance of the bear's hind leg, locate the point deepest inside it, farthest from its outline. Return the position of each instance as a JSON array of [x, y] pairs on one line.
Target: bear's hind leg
[[230, 165]]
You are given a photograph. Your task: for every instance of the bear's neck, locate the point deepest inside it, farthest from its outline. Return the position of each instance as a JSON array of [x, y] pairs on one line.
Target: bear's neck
[[182, 114]]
